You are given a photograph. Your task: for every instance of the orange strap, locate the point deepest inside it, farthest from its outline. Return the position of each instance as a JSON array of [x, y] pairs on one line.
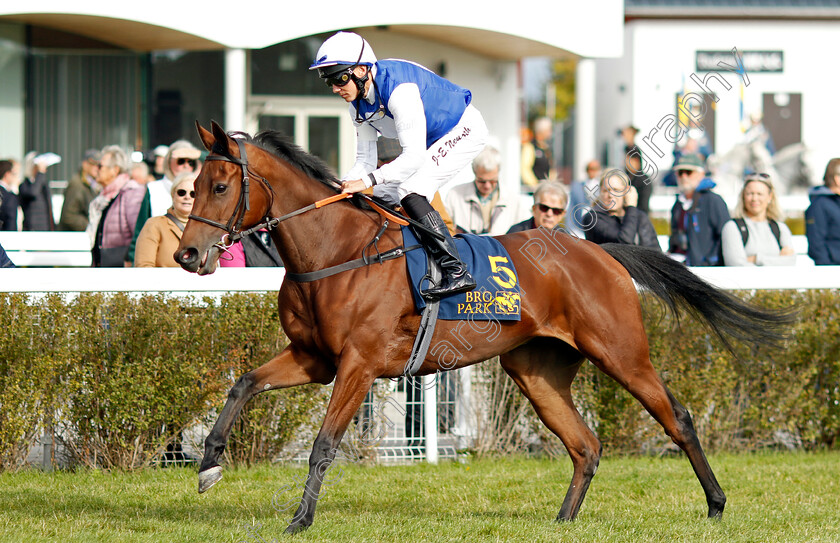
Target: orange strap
[[387, 214], [344, 195], [331, 199]]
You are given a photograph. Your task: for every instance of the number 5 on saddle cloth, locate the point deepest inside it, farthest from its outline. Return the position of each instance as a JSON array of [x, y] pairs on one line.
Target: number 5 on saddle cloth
[[497, 296]]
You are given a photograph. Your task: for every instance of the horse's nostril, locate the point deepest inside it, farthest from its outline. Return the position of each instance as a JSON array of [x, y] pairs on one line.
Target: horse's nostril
[[187, 255]]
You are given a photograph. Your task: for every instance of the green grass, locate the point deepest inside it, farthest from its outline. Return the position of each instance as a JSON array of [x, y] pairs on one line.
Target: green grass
[[771, 497]]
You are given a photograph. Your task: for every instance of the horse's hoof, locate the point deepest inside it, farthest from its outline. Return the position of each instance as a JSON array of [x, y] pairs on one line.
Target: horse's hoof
[[208, 478], [296, 528]]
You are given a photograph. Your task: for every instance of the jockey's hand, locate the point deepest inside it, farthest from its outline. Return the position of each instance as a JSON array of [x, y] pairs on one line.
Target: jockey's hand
[[353, 185]]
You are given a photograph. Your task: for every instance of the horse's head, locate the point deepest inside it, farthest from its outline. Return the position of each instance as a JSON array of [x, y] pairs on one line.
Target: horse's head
[[226, 201]]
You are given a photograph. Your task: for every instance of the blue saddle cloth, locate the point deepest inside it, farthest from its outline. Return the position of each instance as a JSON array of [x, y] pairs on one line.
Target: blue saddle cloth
[[495, 298]]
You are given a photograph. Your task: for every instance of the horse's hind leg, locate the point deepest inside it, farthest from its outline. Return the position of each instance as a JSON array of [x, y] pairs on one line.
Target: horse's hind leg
[[628, 361], [289, 368], [686, 439], [544, 370]]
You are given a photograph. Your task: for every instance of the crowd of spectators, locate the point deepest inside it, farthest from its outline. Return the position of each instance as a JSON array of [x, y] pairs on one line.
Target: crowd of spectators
[[113, 200], [133, 212]]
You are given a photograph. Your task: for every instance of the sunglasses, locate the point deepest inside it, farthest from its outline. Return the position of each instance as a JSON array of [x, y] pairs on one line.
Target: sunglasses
[[680, 173], [554, 210], [338, 80], [191, 161], [757, 177], [182, 193]]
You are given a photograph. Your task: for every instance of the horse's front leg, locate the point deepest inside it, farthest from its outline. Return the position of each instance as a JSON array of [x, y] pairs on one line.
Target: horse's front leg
[[290, 368], [351, 387]]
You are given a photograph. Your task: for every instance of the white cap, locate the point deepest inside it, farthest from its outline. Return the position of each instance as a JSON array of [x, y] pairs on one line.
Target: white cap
[[344, 48]]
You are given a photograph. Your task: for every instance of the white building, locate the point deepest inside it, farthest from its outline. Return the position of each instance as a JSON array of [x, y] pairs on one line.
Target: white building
[[674, 47]]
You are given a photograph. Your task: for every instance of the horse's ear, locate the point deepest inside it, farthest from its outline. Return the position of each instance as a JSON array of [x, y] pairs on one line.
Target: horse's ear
[[206, 137], [222, 139]]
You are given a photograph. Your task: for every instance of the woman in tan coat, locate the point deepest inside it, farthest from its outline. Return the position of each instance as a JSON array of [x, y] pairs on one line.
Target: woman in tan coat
[[161, 235]]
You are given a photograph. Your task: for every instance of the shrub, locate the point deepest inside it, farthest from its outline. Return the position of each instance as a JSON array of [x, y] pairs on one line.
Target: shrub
[[33, 348], [121, 377]]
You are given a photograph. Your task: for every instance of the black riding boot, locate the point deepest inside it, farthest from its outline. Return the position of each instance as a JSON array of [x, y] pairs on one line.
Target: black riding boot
[[456, 278]]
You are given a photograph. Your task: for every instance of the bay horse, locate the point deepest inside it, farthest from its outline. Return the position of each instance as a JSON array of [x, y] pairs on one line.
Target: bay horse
[[579, 302]]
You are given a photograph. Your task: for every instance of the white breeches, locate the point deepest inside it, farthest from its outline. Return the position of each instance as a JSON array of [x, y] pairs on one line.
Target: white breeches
[[445, 159]]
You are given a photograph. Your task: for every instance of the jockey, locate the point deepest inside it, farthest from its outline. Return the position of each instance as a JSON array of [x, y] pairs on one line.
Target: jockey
[[439, 130]]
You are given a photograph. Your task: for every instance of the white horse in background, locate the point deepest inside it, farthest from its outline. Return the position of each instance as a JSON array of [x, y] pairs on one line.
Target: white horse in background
[[789, 168]]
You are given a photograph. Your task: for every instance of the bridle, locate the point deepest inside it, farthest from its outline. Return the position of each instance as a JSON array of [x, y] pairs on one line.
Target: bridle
[[243, 205], [232, 228]]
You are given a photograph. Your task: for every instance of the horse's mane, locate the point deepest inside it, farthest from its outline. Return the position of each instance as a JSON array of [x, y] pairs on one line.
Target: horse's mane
[[279, 145]]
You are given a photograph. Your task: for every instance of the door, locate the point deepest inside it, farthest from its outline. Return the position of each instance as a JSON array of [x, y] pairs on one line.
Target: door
[[321, 127], [782, 113]]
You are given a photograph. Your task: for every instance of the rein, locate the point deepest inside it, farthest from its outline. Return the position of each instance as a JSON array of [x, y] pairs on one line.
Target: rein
[[243, 205], [233, 232]]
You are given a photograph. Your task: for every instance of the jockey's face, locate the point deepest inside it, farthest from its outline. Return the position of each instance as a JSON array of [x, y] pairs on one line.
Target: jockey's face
[[349, 91]]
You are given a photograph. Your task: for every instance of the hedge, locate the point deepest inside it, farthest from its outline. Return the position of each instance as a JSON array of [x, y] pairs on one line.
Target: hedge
[[760, 398], [119, 377]]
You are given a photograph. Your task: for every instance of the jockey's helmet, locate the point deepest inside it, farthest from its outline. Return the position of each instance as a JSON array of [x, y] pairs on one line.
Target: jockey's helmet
[[342, 52]]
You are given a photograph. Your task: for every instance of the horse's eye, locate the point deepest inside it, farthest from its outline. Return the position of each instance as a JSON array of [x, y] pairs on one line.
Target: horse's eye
[[220, 189]]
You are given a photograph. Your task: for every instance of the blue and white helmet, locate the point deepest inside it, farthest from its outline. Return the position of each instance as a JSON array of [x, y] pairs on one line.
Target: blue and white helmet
[[341, 51]]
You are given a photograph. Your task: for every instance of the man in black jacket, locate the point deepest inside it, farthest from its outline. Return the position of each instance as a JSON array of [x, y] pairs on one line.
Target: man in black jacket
[[698, 215], [549, 208]]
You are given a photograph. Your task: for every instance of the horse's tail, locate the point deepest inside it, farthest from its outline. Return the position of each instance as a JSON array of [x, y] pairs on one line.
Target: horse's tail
[[726, 315]]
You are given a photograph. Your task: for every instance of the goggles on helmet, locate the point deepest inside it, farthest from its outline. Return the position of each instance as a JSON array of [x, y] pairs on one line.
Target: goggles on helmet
[[339, 78]]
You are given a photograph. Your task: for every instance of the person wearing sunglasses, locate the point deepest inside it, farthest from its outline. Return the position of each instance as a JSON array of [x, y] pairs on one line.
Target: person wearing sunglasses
[[757, 236], [479, 207], [440, 132], [549, 209], [615, 216], [161, 235], [698, 215], [181, 157]]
